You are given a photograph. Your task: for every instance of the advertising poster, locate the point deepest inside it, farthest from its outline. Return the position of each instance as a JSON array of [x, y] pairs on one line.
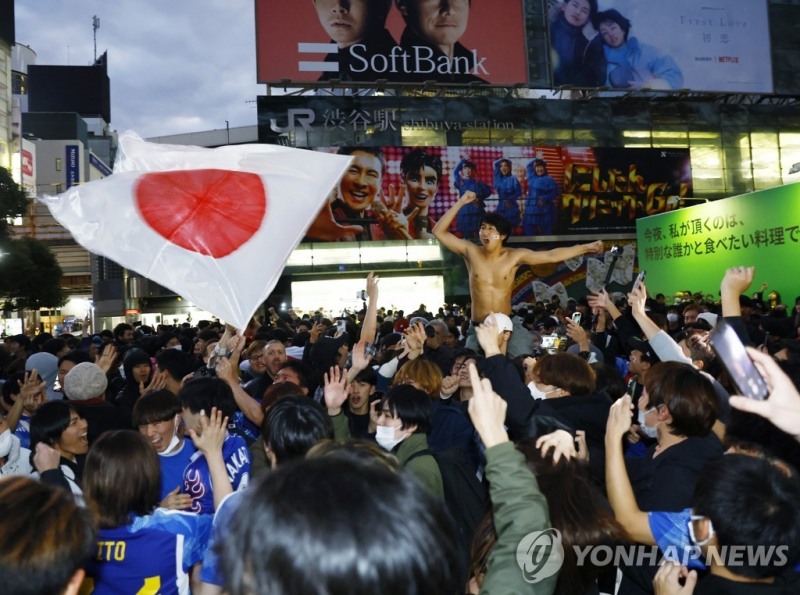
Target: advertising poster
[[709, 45], [394, 41], [399, 193], [692, 248]]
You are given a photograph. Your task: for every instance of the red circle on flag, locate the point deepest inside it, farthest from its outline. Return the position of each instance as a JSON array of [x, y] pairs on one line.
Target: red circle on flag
[[209, 211]]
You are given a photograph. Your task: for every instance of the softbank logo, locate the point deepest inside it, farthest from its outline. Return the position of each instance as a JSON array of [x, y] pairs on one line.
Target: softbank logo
[[414, 60], [317, 66]]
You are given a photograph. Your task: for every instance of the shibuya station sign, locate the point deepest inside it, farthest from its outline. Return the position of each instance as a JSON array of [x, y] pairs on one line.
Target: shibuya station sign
[[392, 41], [381, 120]]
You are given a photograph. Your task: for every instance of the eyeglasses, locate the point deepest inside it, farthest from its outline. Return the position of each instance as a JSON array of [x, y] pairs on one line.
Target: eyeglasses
[[692, 520], [255, 358]]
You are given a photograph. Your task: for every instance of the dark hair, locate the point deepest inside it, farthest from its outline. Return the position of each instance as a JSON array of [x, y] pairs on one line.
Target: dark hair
[[176, 363], [365, 452], [542, 162], [699, 344], [304, 374], [155, 407], [76, 356], [751, 502], [132, 358], [417, 159], [686, 393], [504, 160], [11, 388], [120, 329], [45, 535], [412, 553], [469, 164], [205, 392], [53, 345], [566, 371], [608, 379], [367, 376], [49, 422], [615, 17], [374, 151], [293, 425], [122, 476], [411, 406], [500, 223]]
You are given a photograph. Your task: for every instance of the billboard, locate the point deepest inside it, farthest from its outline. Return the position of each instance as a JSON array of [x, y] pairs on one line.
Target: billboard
[[712, 45], [399, 193], [395, 41], [692, 248]]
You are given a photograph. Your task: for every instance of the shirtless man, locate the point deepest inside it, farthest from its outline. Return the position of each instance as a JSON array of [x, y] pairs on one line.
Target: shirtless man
[[492, 268]]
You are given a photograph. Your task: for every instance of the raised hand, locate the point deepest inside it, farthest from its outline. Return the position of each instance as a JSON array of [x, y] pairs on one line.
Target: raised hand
[[213, 430], [487, 410], [335, 390], [107, 358], [561, 442]]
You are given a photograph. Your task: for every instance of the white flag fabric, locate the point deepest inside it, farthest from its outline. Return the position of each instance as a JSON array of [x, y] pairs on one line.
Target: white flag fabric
[[213, 225]]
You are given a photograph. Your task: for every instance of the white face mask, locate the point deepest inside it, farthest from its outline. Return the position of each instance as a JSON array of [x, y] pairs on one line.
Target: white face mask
[[6, 442], [648, 431], [672, 317], [174, 441], [535, 392], [385, 437]]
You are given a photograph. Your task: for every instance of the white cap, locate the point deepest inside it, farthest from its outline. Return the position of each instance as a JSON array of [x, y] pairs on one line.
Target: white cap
[[502, 321], [709, 317]]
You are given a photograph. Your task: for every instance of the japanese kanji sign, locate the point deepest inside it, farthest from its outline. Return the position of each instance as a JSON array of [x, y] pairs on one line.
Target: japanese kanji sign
[[691, 248]]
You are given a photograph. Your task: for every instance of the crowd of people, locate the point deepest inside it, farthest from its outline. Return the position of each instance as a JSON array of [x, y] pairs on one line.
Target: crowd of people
[[385, 452]]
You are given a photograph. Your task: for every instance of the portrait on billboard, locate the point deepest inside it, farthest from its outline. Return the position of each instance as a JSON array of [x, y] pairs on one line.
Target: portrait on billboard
[[399, 193], [715, 45], [394, 41]]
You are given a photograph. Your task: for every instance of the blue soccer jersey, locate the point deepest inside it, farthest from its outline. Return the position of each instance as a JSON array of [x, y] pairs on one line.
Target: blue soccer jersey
[[197, 479], [173, 466], [211, 571], [150, 556]]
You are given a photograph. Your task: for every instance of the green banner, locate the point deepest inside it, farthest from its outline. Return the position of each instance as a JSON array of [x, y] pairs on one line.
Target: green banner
[[690, 248]]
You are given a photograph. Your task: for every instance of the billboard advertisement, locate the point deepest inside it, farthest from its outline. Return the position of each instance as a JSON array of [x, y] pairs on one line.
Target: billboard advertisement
[[399, 193], [692, 248], [395, 41], [712, 45]]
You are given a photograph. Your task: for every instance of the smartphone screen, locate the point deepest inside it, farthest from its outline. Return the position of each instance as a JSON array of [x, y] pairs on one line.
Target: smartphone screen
[[731, 352], [576, 318]]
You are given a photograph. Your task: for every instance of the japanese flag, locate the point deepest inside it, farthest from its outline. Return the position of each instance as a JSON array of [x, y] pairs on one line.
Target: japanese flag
[[213, 225]]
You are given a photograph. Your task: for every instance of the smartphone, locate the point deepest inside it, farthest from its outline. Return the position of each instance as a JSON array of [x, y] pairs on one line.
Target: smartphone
[[576, 318], [639, 279], [743, 372], [317, 317], [361, 295], [341, 326]]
